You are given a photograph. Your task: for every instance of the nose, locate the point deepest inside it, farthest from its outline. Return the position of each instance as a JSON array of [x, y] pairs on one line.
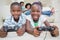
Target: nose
[[35, 12], [16, 12]]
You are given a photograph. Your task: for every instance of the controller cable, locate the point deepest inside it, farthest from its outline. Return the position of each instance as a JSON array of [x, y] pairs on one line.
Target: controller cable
[[45, 36]]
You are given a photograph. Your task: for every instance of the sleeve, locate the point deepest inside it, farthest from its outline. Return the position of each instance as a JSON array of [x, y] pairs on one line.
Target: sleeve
[[28, 17], [7, 22], [24, 19], [44, 18]]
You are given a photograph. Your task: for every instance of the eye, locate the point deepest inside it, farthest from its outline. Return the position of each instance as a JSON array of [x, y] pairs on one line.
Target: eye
[[13, 10], [19, 10], [38, 11], [33, 11]]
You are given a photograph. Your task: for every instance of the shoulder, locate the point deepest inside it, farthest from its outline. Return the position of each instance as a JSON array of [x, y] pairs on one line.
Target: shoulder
[[28, 17], [22, 14], [8, 17], [43, 18], [7, 20]]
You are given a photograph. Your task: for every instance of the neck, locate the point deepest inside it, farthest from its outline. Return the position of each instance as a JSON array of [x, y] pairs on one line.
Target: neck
[[35, 21], [16, 19]]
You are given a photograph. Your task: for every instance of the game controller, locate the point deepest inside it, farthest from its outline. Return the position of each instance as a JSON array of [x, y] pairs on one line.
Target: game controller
[[50, 28], [10, 28]]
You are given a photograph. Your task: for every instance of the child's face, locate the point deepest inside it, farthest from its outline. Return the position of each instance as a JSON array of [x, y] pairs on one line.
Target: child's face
[[22, 4], [16, 11], [28, 7], [35, 12]]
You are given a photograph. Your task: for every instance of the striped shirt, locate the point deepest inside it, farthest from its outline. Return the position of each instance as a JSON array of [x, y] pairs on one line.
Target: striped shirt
[[9, 21]]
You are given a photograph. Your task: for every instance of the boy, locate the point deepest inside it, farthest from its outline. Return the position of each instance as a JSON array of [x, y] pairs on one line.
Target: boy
[[14, 22], [36, 19], [22, 6]]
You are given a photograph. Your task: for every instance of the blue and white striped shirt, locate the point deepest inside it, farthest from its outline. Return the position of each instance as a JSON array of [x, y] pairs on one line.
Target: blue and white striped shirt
[[9, 21]]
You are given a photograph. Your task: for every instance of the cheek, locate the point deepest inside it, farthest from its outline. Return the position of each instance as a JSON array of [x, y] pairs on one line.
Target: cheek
[[32, 13], [12, 13], [39, 13], [28, 6], [19, 13]]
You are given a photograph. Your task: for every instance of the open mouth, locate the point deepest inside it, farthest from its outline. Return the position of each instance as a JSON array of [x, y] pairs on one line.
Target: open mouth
[[35, 17]]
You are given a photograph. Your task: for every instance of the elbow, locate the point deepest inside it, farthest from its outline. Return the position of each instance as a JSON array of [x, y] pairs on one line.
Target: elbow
[[28, 30]]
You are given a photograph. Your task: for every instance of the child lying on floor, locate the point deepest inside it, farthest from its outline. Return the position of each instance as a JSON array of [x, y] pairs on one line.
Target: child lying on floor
[[36, 19], [16, 21]]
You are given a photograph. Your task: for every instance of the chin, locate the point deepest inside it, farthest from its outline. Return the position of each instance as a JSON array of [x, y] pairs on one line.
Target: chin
[[16, 17], [35, 18]]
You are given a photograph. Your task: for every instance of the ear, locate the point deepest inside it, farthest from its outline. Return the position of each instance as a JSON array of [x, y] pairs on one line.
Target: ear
[[10, 10]]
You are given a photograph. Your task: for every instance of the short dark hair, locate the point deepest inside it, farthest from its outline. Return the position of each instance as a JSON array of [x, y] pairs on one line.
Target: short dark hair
[[38, 3], [27, 5], [14, 3], [21, 2]]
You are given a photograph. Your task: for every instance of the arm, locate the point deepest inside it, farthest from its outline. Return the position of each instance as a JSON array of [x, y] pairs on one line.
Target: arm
[[28, 28], [54, 32], [21, 30], [47, 23]]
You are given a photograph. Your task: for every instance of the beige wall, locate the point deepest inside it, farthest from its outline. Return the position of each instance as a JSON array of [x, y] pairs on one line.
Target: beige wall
[[44, 2]]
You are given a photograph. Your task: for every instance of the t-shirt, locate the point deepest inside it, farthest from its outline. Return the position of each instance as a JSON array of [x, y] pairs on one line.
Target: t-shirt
[[27, 12], [9, 21], [35, 24], [41, 21], [23, 8]]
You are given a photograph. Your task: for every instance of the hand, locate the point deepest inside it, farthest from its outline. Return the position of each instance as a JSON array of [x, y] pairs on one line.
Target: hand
[[3, 33], [36, 32], [53, 10], [20, 32], [56, 31]]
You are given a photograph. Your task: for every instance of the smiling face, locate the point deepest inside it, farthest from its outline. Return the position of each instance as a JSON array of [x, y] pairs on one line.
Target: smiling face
[[15, 11], [22, 4], [36, 11], [28, 7]]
